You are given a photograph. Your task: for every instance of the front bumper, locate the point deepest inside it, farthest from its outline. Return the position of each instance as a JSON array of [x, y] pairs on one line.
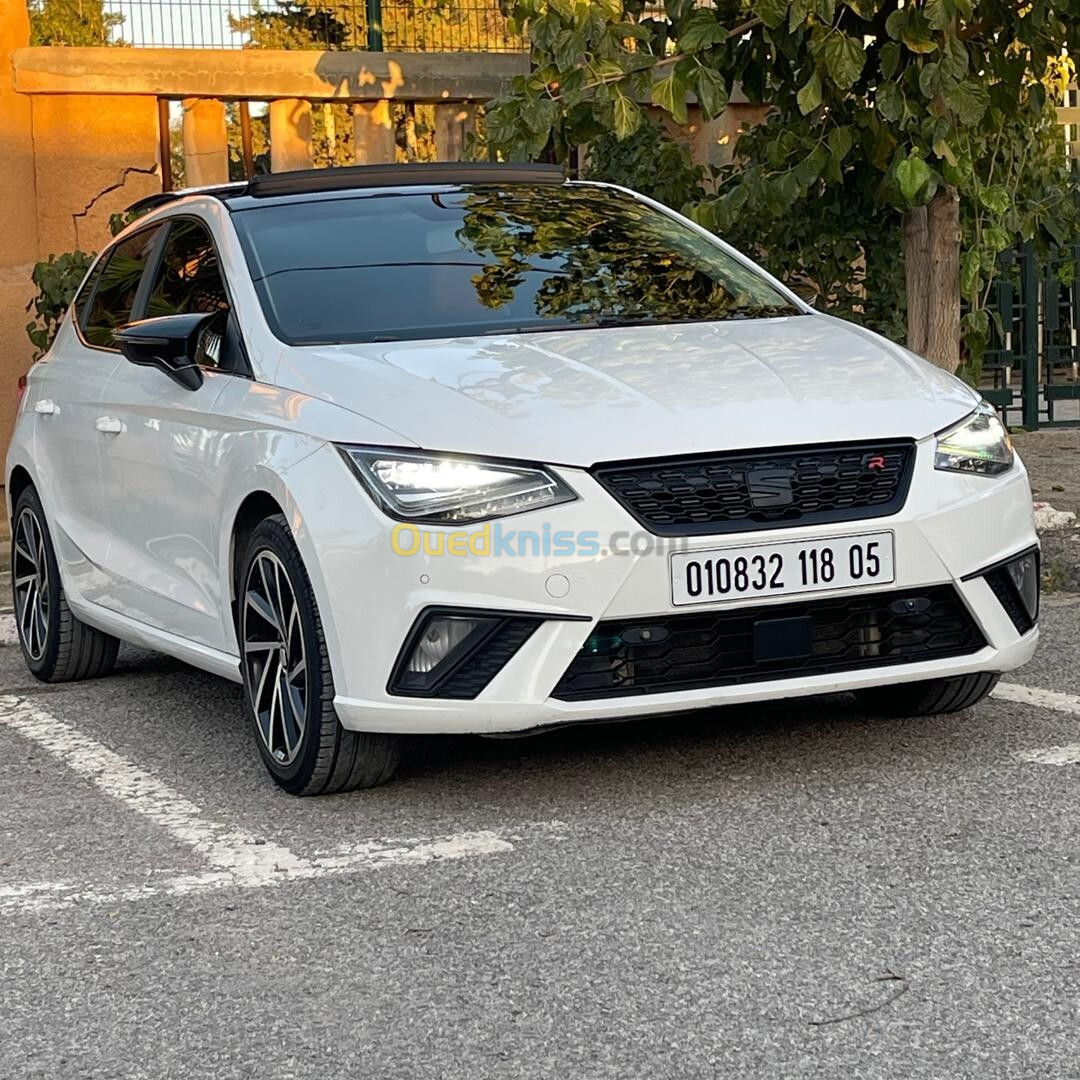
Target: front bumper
[[370, 597]]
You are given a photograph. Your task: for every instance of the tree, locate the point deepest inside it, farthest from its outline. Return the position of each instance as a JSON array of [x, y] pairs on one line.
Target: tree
[[413, 25], [926, 129], [72, 22]]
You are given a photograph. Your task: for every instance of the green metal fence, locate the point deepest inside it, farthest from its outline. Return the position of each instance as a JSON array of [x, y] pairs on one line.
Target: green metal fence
[[1031, 370]]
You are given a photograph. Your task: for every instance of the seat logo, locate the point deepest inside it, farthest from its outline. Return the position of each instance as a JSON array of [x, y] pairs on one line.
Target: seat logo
[[769, 488]]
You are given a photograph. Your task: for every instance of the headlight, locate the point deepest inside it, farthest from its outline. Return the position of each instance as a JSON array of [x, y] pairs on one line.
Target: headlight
[[444, 490], [979, 444]]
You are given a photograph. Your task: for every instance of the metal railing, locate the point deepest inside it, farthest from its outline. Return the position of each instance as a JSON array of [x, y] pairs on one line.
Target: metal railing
[[381, 25]]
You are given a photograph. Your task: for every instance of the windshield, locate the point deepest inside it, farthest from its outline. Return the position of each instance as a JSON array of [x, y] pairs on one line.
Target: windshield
[[487, 260]]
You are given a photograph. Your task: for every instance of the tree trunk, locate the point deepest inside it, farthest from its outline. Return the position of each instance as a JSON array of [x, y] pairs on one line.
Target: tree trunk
[[943, 302], [916, 276]]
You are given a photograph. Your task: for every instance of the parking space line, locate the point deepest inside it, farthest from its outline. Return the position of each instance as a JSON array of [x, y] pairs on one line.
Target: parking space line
[[1051, 755], [1043, 699], [235, 858], [223, 846]]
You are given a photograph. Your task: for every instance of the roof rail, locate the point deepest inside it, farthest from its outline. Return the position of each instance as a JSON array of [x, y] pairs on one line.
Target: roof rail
[[163, 198], [345, 177]]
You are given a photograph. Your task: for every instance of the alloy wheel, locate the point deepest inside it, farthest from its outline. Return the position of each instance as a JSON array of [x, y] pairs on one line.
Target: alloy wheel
[[275, 663], [30, 573]]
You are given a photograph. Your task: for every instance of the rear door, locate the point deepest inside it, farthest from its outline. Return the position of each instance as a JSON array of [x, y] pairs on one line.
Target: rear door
[[159, 467], [66, 392]]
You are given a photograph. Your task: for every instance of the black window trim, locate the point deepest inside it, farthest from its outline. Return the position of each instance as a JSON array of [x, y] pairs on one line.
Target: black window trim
[[149, 279], [101, 262]]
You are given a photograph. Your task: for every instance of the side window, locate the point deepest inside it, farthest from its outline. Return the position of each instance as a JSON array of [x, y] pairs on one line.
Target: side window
[[189, 279], [116, 290]]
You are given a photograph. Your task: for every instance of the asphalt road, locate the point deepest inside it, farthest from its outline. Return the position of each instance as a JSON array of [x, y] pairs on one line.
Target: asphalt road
[[783, 891]]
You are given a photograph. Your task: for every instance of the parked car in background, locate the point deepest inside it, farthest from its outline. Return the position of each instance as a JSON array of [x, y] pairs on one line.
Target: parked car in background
[[474, 449]]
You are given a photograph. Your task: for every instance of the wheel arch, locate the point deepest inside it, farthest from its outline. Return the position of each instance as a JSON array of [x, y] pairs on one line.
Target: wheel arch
[[18, 481], [266, 494]]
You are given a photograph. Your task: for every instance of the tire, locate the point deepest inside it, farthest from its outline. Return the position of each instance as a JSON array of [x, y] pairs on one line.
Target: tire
[[929, 698], [56, 646], [300, 739]]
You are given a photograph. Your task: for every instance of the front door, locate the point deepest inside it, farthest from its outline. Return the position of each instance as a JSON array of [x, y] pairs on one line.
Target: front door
[[67, 392], [159, 463]]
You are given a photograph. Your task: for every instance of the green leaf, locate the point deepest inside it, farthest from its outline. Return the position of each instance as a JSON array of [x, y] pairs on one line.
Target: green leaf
[[825, 10], [840, 142], [797, 14], [969, 272], [844, 59], [771, 12], [569, 49], [627, 115], [809, 97], [944, 151], [538, 114], [954, 58], [996, 238], [811, 166], [670, 94], [969, 100], [916, 32], [890, 59], [896, 23], [701, 30], [995, 198], [605, 71], [919, 44], [890, 101], [931, 82], [939, 13], [711, 91], [912, 174]]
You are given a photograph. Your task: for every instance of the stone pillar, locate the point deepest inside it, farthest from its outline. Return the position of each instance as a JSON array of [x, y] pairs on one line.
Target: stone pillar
[[18, 216], [290, 135], [452, 125], [206, 148], [373, 127]]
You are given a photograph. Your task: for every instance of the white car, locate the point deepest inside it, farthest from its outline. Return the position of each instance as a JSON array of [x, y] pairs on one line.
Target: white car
[[469, 448]]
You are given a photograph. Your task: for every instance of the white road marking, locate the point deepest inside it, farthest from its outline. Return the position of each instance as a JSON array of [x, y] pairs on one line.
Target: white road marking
[[1052, 755], [1043, 699], [236, 859], [9, 634]]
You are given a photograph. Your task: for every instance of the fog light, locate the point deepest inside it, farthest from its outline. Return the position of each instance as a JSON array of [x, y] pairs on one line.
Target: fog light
[[456, 652], [437, 646], [1024, 573], [437, 641]]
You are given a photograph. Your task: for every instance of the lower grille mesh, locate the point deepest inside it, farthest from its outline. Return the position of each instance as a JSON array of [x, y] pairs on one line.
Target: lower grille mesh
[[690, 650]]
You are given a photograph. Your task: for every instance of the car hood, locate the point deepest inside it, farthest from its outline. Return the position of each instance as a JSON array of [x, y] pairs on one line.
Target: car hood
[[577, 397]]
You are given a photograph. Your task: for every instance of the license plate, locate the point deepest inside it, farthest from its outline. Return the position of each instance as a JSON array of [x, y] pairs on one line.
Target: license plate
[[799, 566]]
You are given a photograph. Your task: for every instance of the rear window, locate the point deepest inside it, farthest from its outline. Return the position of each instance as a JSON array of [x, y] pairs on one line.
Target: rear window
[[486, 260]]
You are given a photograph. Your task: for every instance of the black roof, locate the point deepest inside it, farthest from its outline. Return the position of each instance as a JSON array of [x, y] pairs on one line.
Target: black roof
[[346, 177]]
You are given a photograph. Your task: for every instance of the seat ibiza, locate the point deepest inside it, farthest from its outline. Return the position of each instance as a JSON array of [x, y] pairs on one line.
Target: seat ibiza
[[470, 448]]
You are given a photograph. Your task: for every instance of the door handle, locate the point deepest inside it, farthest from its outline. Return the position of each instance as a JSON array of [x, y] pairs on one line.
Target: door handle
[[109, 425], [46, 407]]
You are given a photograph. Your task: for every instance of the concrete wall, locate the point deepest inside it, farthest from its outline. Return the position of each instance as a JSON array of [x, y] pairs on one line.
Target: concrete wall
[[18, 215]]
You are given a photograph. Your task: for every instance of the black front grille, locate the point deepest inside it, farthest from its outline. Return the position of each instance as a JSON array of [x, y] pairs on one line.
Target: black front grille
[[734, 492], [690, 650]]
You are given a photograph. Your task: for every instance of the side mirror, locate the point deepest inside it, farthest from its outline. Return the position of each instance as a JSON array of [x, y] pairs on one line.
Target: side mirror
[[168, 343]]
